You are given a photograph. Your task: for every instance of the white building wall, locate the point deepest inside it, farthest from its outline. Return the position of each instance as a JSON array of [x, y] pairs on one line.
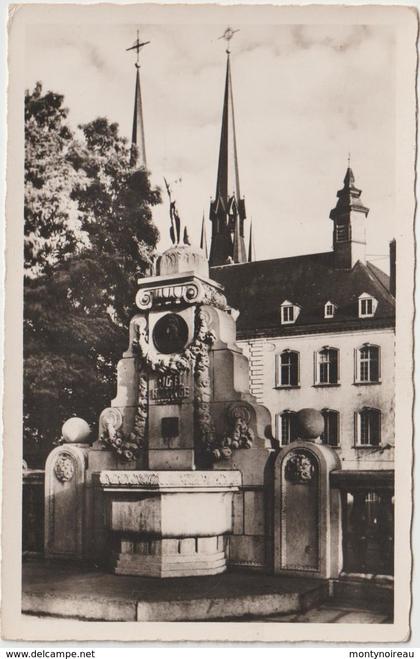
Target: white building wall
[[347, 397]]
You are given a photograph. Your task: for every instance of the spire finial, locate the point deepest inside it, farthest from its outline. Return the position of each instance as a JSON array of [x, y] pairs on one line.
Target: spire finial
[[348, 160], [227, 36], [203, 239], [251, 248], [137, 46]]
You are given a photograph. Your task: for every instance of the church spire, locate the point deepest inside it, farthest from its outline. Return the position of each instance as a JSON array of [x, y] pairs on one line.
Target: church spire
[[228, 170], [227, 211], [138, 144]]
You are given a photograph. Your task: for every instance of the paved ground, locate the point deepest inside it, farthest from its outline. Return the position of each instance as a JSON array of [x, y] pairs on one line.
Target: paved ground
[[332, 611], [51, 588]]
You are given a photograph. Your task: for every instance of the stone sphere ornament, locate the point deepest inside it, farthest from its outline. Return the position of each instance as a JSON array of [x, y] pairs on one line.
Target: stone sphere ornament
[[310, 423], [75, 431]]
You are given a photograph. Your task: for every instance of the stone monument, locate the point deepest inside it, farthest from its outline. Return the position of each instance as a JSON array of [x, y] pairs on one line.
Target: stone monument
[[181, 439]]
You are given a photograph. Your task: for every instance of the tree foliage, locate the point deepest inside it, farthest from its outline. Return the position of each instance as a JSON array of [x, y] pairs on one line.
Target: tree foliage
[[89, 236], [51, 215]]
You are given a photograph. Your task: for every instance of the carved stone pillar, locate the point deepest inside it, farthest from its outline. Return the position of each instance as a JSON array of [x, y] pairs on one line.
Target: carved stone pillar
[[307, 519], [65, 476]]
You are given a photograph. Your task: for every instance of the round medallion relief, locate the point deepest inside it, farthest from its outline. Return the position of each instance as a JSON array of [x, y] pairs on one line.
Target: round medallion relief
[[170, 334], [64, 467]]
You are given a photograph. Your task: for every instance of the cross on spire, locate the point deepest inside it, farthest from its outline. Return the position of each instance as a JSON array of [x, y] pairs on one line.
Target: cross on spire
[[138, 144], [227, 36], [137, 46]]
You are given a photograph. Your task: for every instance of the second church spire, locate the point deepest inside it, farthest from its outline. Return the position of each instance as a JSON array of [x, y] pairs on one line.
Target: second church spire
[[227, 211], [138, 143]]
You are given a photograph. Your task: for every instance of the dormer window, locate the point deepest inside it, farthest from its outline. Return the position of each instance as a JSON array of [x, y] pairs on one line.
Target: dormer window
[[289, 312], [367, 305], [329, 310]]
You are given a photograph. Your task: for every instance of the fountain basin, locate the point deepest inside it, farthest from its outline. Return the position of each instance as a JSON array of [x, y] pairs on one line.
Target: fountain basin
[[169, 523]]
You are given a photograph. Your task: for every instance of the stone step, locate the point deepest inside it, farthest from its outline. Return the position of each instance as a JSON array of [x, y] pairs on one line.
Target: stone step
[[61, 591]]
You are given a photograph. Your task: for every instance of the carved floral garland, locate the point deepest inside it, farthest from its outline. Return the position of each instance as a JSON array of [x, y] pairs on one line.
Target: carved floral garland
[[128, 445], [203, 421], [241, 436]]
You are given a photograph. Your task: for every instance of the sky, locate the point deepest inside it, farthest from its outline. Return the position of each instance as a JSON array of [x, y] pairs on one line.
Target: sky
[[305, 97]]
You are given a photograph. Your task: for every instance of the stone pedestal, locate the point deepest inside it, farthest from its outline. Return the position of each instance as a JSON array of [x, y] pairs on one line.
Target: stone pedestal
[[307, 514], [169, 523]]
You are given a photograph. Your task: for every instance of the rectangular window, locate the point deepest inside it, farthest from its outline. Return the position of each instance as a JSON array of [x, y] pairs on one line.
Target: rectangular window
[[288, 314], [287, 369], [366, 307], [369, 364], [370, 427], [331, 428], [285, 428], [328, 366], [288, 428]]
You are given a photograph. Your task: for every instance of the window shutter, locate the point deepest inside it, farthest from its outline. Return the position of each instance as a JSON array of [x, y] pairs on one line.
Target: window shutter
[[294, 368], [355, 366], [375, 427], [333, 366], [356, 428]]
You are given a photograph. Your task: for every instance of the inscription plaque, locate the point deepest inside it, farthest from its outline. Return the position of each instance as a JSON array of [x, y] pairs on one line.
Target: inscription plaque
[[170, 388]]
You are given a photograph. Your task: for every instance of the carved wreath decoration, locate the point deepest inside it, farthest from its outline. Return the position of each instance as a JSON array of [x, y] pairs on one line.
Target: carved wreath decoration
[[239, 436], [299, 468], [64, 468]]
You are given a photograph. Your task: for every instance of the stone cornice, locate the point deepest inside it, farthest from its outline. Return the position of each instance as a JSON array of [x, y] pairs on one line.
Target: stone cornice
[[186, 288], [324, 328], [164, 480]]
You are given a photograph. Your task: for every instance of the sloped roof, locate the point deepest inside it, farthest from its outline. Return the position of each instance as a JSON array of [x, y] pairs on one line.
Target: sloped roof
[[258, 289]]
